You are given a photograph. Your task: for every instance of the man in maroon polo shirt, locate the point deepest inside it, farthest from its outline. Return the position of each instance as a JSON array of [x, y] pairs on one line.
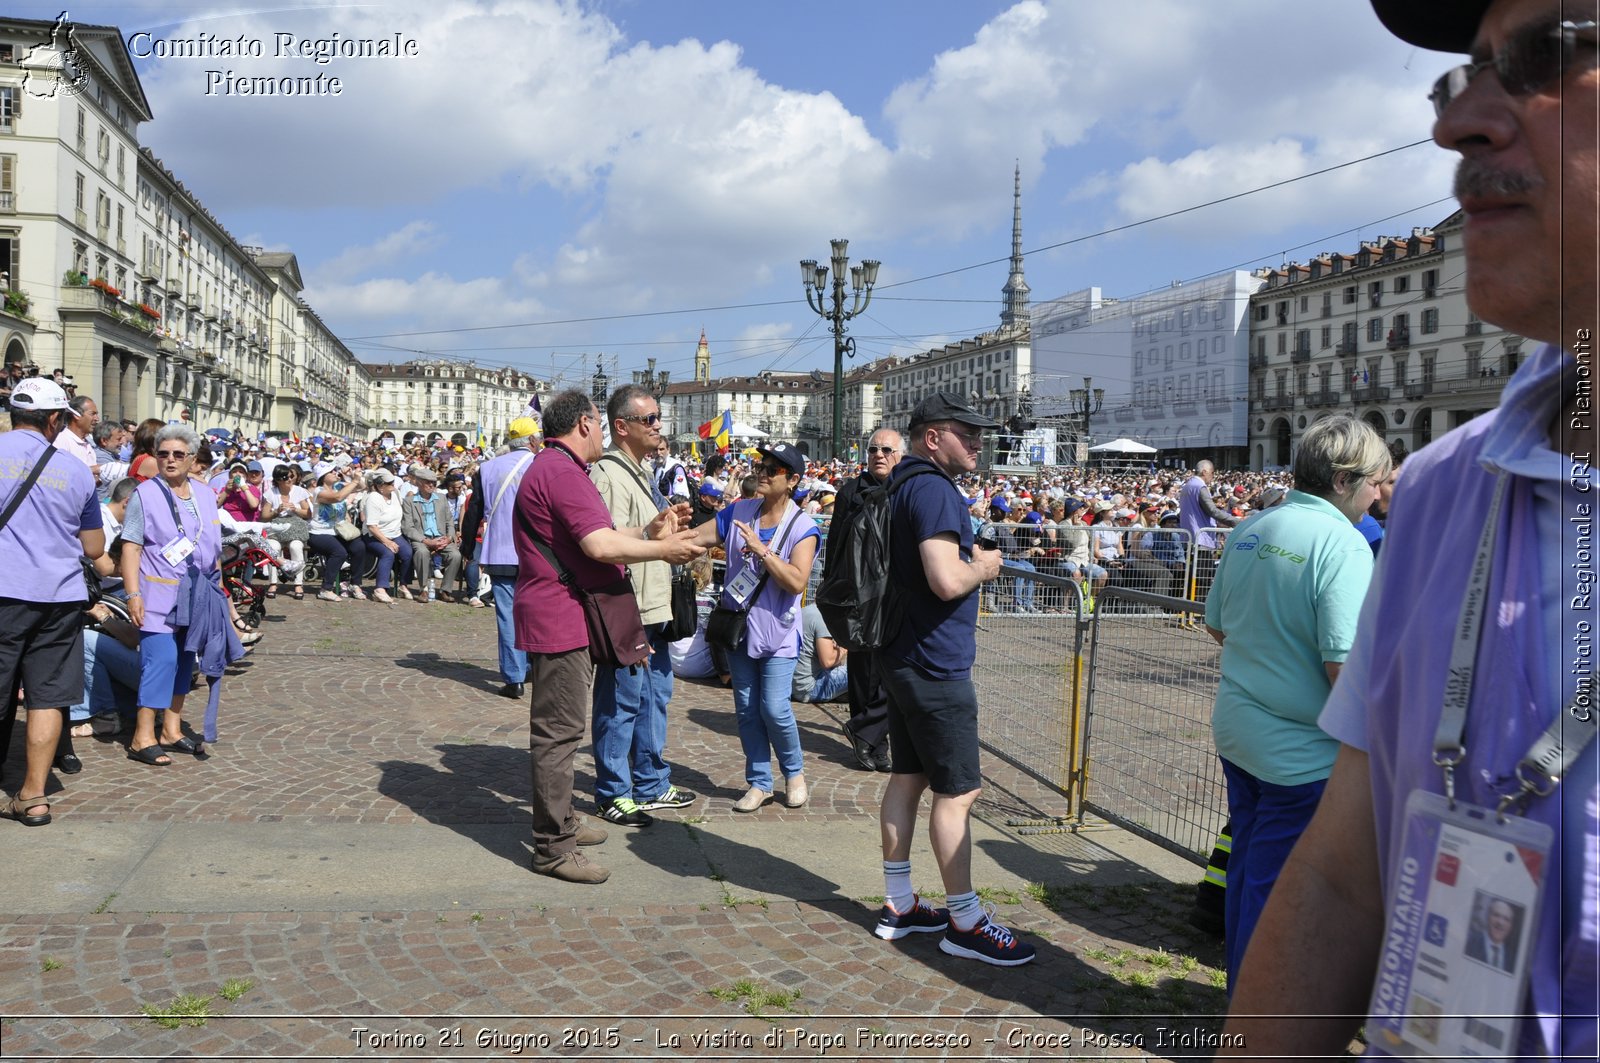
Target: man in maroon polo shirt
[[557, 504]]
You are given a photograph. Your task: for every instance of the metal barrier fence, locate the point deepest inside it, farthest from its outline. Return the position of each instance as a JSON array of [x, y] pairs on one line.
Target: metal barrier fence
[[1147, 759]]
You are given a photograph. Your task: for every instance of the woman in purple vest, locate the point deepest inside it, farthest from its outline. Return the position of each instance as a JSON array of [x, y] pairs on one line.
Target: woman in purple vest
[[769, 538], [171, 537]]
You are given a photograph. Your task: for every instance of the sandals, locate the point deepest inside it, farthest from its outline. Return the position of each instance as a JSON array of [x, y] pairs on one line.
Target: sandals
[[150, 755], [19, 810], [405, 593], [298, 593], [272, 591], [186, 744]]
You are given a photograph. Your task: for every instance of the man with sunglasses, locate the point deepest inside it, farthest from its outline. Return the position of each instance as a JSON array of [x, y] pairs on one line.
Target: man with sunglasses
[[1467, 762], [42, 591], [868, 726], [927, 671], [631, 775]]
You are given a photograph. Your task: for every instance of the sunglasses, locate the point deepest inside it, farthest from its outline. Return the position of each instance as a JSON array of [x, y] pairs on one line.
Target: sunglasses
[[772, 468], [172, 455], [880, 450], [649, 418], [1532, 61]]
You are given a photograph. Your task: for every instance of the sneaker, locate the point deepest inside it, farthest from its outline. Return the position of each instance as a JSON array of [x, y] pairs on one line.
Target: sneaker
[[988, 941], [671, 797], [570, 867], [923, 918], [624, 813]]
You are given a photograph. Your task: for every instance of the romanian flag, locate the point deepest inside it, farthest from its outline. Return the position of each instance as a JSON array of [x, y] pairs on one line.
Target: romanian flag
[[717, 429]]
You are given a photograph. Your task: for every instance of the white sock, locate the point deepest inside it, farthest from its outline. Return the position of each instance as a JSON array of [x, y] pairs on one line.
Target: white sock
[[965, 911], [897, 885]]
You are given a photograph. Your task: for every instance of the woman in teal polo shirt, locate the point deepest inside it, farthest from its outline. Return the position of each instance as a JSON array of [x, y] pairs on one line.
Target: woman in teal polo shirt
[[1288, 590]]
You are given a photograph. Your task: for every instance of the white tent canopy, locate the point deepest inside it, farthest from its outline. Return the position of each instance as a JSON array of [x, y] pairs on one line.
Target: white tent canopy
[[740, 430], [1122, 446]]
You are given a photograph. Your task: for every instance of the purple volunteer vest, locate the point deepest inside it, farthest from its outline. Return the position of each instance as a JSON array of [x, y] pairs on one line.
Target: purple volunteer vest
[[158, 580], [768, 633], [499, 545]]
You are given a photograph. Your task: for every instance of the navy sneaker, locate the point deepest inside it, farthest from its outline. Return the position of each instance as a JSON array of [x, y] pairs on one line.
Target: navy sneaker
[[923, 918], [988, 941], [671, 797]]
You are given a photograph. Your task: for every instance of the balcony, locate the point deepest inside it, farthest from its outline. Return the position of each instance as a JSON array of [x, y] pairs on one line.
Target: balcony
[[1300, 356], [1474, 328], [1345, 347], [1124, 414], [1372, 393], [1399, 338], [1185, 408], [1323, 397], [1419, 389], [1277, 402], [1258, 361], [1219, 405]]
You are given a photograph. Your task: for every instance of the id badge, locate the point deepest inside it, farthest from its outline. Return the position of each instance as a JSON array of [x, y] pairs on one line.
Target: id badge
[[744, 585], [1453, 971], [177, 551]]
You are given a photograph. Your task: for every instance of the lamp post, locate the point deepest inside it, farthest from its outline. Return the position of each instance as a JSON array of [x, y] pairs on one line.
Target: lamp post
[[1086, 402], [862, 278], [599, 384], [652, 381]]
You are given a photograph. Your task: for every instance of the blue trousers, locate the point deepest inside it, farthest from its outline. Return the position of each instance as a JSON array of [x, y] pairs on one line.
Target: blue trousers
[[337, 552], [630, 725], [1267, 820], [761, 689], [513, 662], [388, 559]]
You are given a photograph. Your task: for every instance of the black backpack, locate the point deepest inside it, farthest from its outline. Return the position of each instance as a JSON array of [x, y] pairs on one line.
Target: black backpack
[[857, 598]]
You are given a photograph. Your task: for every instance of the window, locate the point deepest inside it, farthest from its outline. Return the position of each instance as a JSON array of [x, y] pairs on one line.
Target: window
[[1400, 368], [1430, 320], [1375, 329], [1350, 337], [83, 131], [102, 148], [10, 107], [1305, 303], [78, 200], [8, 184], [1327, 336], [1350, 295], [1402, 283], [11, 257], [1429, 362], [1430, 283], [1374, 294], [1283, 342]]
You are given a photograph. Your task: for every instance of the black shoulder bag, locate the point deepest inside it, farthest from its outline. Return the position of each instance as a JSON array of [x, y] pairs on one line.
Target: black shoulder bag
[[726, 625]]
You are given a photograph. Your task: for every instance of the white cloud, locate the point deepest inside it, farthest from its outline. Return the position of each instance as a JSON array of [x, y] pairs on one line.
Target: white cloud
[[411, 239]]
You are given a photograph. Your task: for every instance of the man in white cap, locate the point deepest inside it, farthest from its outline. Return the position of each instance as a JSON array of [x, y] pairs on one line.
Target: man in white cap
[[49, 519], [1467, 771]]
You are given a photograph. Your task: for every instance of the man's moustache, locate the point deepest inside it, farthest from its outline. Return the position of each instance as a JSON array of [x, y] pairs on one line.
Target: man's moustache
[[1476, 179]]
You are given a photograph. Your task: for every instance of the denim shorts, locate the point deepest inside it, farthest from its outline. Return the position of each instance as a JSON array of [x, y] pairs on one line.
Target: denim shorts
[[933, 728]]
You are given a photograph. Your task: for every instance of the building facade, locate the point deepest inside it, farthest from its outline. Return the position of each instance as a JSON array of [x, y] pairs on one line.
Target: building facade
[[461, 402], [1384, 333], [115, 272], [1171, 363]]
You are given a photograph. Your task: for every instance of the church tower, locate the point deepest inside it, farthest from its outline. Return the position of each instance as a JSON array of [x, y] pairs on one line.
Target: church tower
[[702, 361], [1014, 315]]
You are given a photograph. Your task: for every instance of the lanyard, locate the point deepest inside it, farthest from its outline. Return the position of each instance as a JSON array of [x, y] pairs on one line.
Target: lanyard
[[177, 519], [1558, 747]]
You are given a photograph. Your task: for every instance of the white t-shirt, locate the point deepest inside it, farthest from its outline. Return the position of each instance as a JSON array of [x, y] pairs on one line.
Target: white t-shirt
[[382, 513], [271, 500]]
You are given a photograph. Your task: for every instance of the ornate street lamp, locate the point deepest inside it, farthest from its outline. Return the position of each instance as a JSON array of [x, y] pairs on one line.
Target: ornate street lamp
[[1086, 402], [862, 278], [653, 382]]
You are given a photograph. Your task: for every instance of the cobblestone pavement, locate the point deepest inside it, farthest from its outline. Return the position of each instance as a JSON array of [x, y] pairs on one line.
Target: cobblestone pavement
[[354, 728]]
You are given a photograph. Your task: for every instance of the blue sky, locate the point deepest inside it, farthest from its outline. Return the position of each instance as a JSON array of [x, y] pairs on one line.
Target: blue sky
[[541, 162]]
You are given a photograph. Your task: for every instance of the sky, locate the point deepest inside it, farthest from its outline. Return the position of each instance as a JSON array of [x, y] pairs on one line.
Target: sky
[[543, 183]]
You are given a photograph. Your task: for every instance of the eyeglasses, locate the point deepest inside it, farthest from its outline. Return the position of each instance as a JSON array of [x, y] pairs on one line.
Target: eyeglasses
[[772, 468], [880, 450], [1532, 61], [972, 440], [649, 418], [172, 455]]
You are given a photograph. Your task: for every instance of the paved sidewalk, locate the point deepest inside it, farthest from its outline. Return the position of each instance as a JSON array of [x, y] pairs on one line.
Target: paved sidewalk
[[346, 876]]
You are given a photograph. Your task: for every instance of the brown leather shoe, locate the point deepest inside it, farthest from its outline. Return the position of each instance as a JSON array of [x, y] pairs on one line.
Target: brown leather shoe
[[589, 834], [570, 867]]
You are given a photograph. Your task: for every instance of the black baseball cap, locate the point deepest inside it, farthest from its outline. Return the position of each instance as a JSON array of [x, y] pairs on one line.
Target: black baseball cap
[[943, 406], [786, 454], [1438, 25]]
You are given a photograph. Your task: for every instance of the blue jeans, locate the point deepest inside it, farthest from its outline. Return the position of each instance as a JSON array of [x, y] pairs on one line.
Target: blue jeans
[[1267, 820], [336, 552], [829, 685], [630, 725], [1022, 589], [110, 678], [387, 559], [761, 691], [470, 567], [513, 662]]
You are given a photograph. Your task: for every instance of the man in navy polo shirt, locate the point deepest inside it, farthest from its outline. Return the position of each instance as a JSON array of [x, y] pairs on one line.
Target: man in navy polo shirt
[[927, 674], [42, 591]]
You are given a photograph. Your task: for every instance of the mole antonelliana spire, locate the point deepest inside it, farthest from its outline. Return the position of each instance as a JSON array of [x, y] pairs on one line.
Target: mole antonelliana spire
[[1015, 313]]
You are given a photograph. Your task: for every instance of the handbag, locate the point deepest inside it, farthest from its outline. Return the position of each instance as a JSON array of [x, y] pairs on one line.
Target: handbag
[[685, 609], [726, 625], [610, 613], [346, 530], [290, 529]]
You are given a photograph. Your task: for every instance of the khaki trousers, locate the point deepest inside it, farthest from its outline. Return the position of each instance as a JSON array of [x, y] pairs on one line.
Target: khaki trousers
[[556, 719]]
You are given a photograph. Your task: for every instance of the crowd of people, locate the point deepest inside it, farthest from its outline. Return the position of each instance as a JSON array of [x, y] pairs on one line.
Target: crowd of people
[[1379, 799]]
